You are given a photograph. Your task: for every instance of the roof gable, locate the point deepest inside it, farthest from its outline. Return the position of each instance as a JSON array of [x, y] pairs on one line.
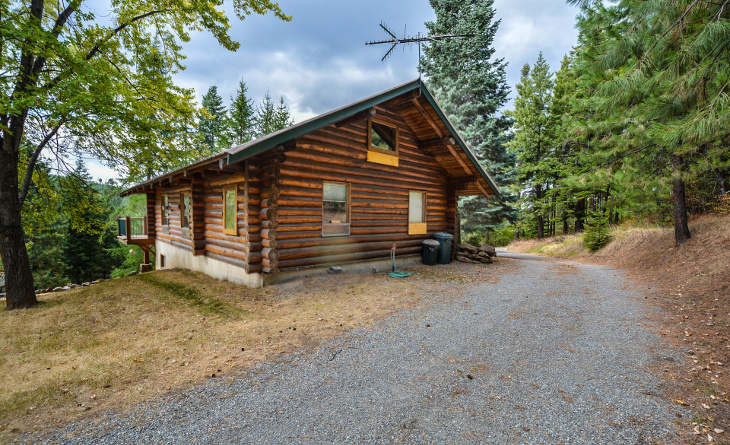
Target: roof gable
[[436, 135]]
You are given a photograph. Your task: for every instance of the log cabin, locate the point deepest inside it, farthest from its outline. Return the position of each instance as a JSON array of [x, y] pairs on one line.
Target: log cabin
[[338, 189]]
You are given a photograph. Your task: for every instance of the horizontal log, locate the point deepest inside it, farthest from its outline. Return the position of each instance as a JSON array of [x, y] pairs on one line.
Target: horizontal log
[[335, 259], [308, 252], [270, 243], [295, 243], [268, 213], [231, 253], [270, 264], [270, 254], [268, 234], [269, 224]]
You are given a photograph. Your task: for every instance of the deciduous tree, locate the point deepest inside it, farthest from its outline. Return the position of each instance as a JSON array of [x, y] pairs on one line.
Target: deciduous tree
[[96, 80]]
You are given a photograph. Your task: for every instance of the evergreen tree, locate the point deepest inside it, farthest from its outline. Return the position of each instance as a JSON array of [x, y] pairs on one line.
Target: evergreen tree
[[86, 248], [270, 118], [535, 138], [660, 100], [241, 116], [212, 121], [471, 86], [282, 117]]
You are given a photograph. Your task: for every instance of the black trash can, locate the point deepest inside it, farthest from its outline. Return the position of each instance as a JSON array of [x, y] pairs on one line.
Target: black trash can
[[445, 240], [430, 251]]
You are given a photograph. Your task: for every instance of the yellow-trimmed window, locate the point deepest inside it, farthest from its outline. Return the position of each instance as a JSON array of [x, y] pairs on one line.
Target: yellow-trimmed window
[[335, 209], [417, 213], [382, 142], [230, 210]]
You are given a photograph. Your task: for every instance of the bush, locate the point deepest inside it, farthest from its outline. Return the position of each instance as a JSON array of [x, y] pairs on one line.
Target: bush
[[502, 236], [596, 234]]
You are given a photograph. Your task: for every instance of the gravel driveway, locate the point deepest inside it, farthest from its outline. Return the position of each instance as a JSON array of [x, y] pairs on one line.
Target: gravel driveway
[[553, 353]]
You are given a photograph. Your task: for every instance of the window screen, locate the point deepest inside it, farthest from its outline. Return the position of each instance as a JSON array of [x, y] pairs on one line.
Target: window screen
[[416, 207]]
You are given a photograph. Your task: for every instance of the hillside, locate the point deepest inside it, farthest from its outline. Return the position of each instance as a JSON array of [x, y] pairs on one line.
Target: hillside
[[692, 284]]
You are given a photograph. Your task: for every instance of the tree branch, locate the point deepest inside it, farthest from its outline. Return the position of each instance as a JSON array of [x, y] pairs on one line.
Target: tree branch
[[33, 160]]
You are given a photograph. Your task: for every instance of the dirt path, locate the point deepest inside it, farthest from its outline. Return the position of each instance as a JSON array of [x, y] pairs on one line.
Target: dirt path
[[555, 353]]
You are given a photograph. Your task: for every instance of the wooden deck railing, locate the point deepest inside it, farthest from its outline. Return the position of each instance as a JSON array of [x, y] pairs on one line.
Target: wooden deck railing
[[129, 227]]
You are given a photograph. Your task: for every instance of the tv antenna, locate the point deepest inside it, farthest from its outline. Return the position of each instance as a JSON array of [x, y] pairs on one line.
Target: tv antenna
[[419, 38]]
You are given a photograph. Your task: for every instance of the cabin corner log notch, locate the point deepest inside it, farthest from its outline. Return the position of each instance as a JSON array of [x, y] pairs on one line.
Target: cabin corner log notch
[[197, 200], [269, 213]]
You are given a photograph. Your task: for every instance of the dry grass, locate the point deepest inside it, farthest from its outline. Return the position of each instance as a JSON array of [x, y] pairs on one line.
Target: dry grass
[[128, 340], [692, 283]]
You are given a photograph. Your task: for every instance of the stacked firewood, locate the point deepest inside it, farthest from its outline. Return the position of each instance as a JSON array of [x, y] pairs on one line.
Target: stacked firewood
[[472, 254]]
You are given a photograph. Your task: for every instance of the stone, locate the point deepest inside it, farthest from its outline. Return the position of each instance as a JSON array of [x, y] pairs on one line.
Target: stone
[[468, 248], [134, 272], [489, 250], [2, 296], [58, 289], [86, 284], [335, 269], [145, 268]]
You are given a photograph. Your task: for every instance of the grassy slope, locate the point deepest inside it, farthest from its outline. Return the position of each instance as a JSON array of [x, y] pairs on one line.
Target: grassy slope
[[127, 340], [692, 282]]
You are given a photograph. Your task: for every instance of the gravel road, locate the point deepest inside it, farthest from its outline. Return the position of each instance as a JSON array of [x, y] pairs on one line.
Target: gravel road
[[553, 353]]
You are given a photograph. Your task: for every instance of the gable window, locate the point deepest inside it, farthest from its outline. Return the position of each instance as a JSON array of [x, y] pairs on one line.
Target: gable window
[[230, 209], [417, 213], [382, 143], [335, 209], [165, 214]]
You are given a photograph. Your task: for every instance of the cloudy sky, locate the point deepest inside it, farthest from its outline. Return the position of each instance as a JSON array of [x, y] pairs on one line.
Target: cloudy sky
[[319, 61]]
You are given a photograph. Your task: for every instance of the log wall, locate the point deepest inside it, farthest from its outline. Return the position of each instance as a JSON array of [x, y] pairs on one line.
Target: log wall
[[378, 197]]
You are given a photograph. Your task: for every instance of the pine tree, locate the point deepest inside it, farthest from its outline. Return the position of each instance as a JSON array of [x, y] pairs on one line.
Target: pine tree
[[282, 117], [241, 116], [471, 86], [270, 118], [212, 121], [660, 100], [88, 241], [535, 138]]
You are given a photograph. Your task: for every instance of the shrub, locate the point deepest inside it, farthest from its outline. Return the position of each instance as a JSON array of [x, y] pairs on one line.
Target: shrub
[[596, 234]]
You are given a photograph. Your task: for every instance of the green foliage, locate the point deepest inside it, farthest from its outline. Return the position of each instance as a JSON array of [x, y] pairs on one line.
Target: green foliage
[[502, 236], [597, 232], [96, 86], [212, 122], [241, 117], [270, 117], [471, 85]]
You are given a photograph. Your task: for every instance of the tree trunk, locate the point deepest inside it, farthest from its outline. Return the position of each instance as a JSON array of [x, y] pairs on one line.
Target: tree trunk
[[681, 227], [19, 287], [580, 214]]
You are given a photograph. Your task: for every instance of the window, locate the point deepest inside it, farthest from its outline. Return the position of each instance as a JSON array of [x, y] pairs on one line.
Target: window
[[185, 211], [382, 143], [416, 213], [165, 214], [335, 209], [230, 210]]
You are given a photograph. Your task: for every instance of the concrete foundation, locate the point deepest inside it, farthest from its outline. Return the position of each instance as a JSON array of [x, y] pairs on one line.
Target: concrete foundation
[[174, 257], [378, 266]]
